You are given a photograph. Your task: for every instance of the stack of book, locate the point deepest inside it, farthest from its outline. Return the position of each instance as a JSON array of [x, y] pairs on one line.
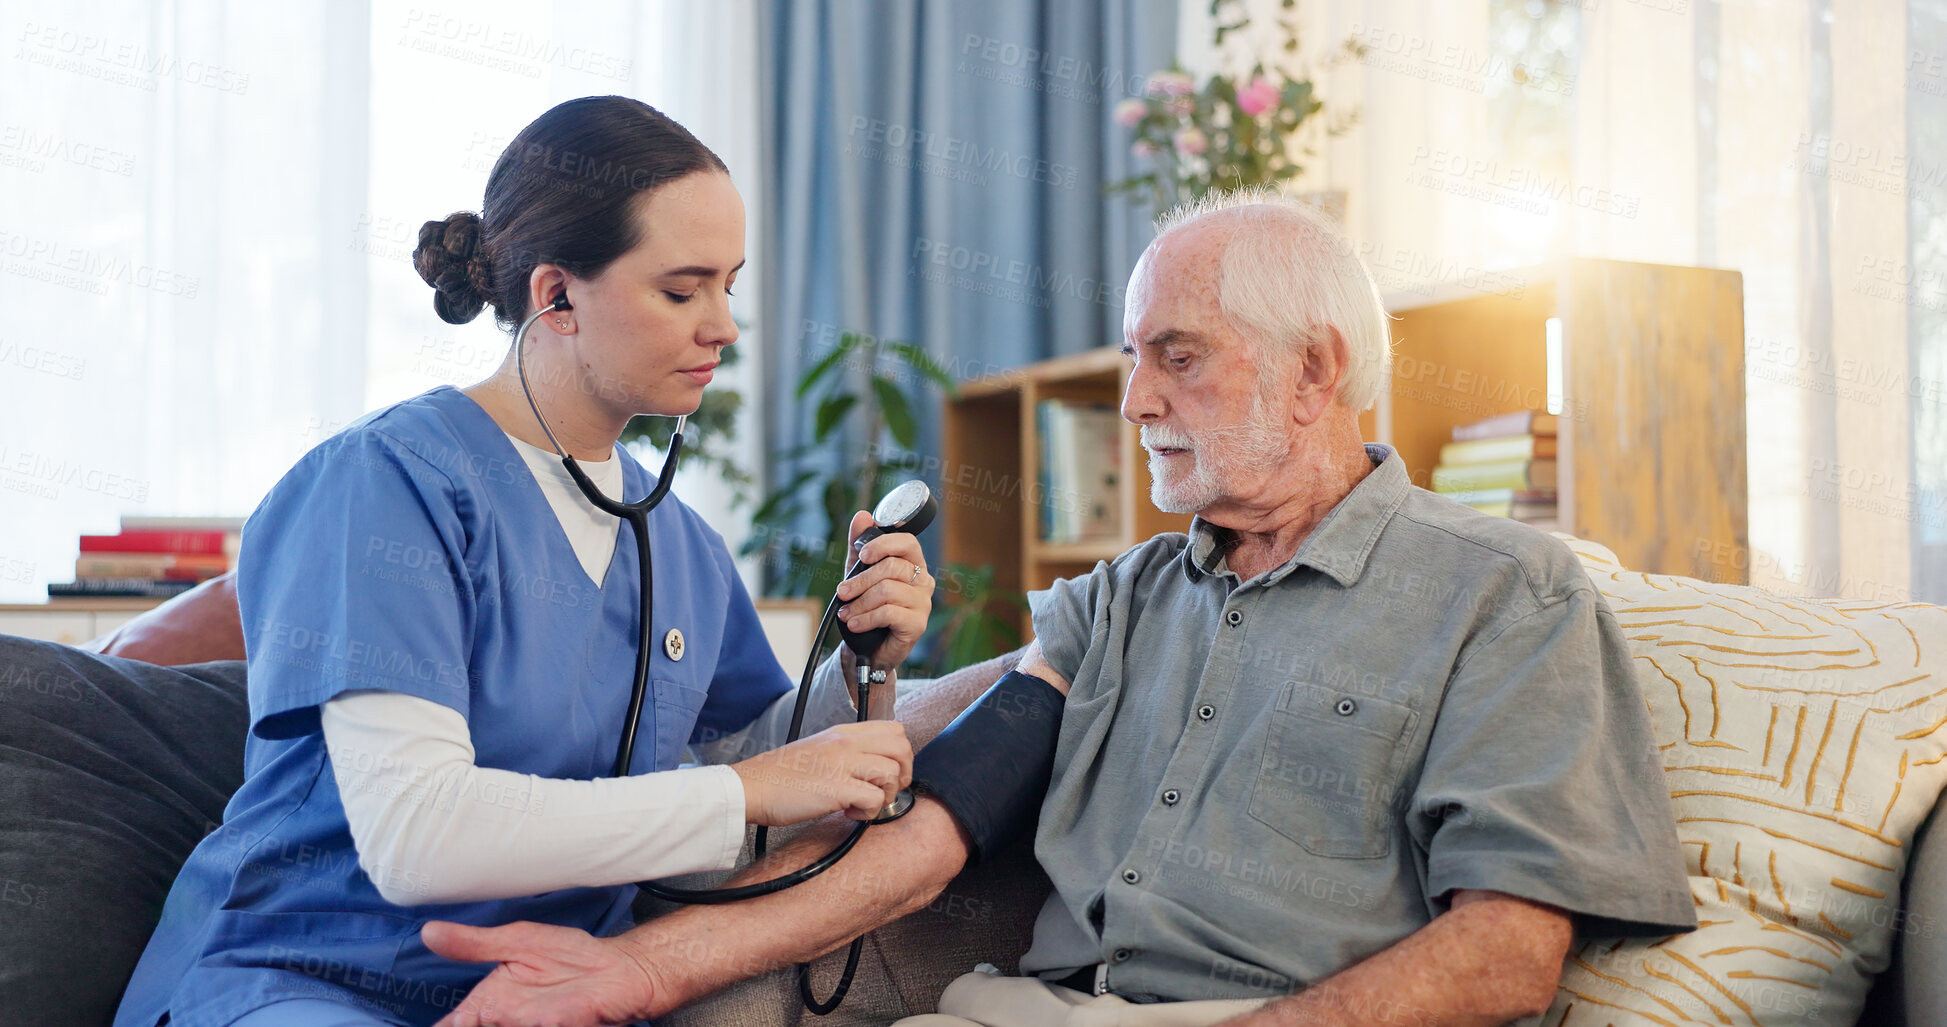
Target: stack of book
[[153, 556], [1081, 470], [1504, 465]]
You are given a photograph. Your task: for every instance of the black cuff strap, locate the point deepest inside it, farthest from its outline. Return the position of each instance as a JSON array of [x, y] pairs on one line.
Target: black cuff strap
[[990, 767]]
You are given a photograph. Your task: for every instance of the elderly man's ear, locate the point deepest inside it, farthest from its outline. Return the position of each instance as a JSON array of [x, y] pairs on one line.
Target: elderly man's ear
[[1319, 375]]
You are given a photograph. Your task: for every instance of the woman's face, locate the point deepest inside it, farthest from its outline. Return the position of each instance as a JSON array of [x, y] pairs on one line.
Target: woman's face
[[650, 329]]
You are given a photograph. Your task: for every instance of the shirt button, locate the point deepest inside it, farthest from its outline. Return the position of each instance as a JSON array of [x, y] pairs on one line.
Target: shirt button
[[1122, 955], [1170, 797], [1132, 876], [1346, 707], [1234, 618], [1206, 711]]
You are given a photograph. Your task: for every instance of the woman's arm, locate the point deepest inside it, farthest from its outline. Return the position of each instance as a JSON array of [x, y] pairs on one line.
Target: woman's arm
[[431, 826]]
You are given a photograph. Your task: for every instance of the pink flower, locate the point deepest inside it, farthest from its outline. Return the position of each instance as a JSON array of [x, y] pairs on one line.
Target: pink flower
[[1130, 112], [1144, 148], [1169, 83], [1190, 142], [1258, 97]]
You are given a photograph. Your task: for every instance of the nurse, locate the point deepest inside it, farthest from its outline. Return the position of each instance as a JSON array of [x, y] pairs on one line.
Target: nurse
[[441, 628]]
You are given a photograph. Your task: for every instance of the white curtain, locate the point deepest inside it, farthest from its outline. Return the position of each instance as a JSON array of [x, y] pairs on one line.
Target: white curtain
[[176, 181], [1800, 142], [207, 211]]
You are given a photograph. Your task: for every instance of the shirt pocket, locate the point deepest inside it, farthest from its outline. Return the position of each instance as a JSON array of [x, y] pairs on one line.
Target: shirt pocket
[[677, 705], [1330, 770]]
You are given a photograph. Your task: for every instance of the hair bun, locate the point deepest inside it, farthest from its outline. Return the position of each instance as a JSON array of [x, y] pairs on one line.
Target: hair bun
[[449, 258]]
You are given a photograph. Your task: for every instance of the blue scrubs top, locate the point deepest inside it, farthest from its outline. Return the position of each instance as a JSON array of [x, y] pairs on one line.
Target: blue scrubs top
[[415, 552]]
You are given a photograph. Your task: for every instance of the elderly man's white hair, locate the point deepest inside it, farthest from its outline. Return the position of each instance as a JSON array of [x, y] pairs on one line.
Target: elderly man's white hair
[[1287, 273]]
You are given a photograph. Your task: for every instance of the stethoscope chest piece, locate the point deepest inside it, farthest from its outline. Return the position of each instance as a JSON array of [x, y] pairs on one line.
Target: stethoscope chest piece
[[673, 644], [908, 508]]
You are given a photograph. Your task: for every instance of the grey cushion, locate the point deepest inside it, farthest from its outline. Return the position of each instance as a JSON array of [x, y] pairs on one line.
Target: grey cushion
[[111, 770]]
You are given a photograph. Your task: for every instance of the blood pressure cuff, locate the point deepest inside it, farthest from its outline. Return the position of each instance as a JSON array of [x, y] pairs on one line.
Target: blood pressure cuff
[[990, 767]]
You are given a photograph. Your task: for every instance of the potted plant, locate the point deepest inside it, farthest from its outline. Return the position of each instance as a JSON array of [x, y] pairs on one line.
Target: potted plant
[[872, 387], [1231, 132]]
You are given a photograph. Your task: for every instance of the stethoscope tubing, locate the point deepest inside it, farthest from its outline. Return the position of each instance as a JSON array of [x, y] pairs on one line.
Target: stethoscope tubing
[[637, 515]]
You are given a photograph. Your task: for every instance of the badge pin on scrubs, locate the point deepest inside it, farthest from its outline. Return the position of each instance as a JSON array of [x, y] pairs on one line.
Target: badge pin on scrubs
[[673, 644]]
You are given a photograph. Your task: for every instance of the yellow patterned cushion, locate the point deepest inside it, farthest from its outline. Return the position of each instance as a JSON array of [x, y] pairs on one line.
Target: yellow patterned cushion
[[1803, 741]]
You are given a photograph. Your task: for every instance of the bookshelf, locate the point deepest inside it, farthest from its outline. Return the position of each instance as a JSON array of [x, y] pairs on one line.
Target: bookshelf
[[1652, 432], [990, 464]]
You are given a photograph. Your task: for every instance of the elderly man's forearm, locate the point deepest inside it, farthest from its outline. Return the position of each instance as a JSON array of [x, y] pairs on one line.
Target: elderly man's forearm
[[894, 870], [1490, 959]]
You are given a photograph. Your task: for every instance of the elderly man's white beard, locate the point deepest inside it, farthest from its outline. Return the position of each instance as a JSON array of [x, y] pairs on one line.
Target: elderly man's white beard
[[1221, 458]]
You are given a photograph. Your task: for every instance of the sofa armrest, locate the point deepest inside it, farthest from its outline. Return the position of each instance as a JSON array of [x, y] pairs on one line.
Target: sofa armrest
[[111, 771], [200, 626]]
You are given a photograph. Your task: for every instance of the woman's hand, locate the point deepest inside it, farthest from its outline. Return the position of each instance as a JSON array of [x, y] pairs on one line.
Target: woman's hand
[[857, 768], [896, 592], [548, 976]]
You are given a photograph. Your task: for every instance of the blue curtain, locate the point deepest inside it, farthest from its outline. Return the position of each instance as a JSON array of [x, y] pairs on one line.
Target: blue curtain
[[934, 175]]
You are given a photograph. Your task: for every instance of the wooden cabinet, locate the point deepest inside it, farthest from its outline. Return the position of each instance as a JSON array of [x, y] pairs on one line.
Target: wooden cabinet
[[990, 473], [1651, 385], [1651, 372], [71, 621]]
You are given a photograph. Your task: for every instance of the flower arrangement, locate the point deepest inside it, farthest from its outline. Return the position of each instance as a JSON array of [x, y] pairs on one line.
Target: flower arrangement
[[1234, 130]]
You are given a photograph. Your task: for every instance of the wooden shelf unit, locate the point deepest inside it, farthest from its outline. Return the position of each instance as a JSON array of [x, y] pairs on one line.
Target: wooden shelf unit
[[1652, 432], [991, 463]]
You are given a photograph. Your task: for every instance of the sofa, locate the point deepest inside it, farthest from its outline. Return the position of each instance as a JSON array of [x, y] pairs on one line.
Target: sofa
[[1805, 747], [1804, 741]]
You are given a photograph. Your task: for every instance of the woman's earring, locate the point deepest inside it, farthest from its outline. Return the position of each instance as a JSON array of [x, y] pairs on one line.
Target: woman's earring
[[562, 323]]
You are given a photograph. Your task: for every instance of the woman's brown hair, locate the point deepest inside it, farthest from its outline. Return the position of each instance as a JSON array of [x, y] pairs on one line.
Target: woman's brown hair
[[563, 192]]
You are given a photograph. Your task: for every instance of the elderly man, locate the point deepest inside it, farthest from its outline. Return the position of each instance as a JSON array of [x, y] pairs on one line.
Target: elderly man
[[1348, 752]]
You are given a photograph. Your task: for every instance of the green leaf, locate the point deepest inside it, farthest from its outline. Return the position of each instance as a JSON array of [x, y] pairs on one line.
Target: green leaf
[[898, 413], [846, 343], [831, 413], [923, 362], [775, 502]]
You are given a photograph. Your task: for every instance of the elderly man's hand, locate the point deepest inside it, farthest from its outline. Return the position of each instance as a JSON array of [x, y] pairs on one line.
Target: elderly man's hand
[[548, 976]]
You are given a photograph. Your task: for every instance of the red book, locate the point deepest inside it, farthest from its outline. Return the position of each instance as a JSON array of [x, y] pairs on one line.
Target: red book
[[154, 542]]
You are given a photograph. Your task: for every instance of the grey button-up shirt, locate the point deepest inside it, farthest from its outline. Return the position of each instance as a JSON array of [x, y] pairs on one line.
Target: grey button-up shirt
[[1260, 782]]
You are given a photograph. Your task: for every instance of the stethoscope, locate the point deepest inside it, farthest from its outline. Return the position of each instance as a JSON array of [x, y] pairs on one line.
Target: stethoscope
[[908, 509]]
